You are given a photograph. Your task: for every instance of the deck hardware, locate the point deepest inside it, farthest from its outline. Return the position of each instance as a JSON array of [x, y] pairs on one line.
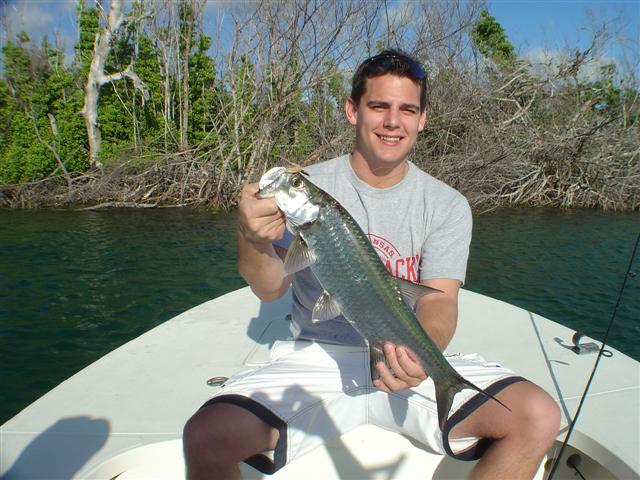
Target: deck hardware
[[587, 347], [217, 381]]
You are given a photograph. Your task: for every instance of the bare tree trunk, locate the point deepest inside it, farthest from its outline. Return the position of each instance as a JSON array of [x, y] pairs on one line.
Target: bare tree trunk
[[184, 117], [96, 77]]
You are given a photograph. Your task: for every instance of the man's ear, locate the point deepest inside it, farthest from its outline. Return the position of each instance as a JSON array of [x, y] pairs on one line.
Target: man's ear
[[351, 111], [423, 120]]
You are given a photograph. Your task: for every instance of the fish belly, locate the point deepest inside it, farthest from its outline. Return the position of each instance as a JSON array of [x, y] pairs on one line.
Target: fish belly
[[349, 269]]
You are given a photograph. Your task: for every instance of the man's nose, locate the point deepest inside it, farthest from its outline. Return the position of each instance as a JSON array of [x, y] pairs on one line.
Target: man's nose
[[391, 119]]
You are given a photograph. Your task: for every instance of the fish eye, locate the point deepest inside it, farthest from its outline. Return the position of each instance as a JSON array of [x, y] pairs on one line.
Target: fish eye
[[296, 182]]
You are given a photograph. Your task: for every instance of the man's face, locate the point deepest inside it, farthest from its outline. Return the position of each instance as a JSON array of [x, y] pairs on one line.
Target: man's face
[[387, 120]]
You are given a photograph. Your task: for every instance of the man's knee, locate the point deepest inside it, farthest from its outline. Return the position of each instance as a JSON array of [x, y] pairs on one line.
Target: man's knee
[[207, 431], [540, 415], [226, 433]]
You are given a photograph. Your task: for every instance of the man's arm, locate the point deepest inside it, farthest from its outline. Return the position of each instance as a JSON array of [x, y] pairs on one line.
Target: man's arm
[[260, 223], [438, 312], [438, 315]]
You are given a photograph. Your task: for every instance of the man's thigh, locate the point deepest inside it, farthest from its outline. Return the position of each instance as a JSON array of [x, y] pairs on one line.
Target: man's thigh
[[309, 392], [414, 413]]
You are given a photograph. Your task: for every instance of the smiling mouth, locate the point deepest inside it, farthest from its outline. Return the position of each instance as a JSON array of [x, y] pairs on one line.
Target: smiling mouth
[[389, 139]]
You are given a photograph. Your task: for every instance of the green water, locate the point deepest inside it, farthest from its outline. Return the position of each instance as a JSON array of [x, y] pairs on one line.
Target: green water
[[75, 285]]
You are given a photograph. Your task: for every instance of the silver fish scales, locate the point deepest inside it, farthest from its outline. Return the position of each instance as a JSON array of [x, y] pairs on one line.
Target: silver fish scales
[[355, 281]]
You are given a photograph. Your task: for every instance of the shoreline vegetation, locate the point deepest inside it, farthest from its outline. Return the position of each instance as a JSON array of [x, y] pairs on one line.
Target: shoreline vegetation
[[154, 111]]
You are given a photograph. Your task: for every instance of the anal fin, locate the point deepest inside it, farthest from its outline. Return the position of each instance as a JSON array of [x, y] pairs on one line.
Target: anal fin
[[412, 292]]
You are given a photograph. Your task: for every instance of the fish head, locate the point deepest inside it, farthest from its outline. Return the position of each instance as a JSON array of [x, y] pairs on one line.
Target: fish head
[[293, 193]]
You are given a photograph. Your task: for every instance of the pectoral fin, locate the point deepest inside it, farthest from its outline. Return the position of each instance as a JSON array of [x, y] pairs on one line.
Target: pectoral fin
[[298, 256], [325, 308], [411, 292]]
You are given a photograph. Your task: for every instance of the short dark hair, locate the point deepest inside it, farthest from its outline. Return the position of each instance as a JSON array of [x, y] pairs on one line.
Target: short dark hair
[[394, 62]]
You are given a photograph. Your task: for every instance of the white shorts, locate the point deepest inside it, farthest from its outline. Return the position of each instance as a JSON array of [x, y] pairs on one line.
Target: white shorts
[[311, 392]]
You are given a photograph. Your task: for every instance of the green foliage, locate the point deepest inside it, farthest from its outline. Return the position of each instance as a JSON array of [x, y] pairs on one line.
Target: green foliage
[[88, 26], [65, 104], [39, 108], [25, 158], [491, 40], [149, 113], [604, 95], [202, 94], [6, 112], [117, 99]]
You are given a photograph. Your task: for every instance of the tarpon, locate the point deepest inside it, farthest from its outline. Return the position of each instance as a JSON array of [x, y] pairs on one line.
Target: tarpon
[[355, 281]]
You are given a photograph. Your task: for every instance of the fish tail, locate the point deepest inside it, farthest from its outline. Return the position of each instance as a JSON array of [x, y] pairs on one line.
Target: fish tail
[[446, 390]]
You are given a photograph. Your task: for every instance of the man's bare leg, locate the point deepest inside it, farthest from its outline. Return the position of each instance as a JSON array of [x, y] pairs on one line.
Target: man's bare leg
[[218, 437], [522, 437]]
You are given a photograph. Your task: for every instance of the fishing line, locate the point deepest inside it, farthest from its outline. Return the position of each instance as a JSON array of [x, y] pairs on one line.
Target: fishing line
[[570, 462], [597, 362]]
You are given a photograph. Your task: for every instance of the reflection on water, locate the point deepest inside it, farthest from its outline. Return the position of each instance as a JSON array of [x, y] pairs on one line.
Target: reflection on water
[[75, 285]]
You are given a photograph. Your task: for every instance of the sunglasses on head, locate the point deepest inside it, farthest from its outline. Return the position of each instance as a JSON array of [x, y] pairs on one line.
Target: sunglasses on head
[[385, 62]]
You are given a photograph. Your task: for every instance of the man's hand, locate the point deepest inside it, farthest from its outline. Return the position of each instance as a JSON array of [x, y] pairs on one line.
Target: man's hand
[[259, 219], [260, 223], [407, 369]]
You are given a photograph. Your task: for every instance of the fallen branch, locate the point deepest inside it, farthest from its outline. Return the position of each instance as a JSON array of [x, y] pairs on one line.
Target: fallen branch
[[120, 205]]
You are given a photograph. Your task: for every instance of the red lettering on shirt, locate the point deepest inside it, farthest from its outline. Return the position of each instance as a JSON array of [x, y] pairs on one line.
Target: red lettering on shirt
[[400, 268], [407, 268], [384, 248], [412, 273]]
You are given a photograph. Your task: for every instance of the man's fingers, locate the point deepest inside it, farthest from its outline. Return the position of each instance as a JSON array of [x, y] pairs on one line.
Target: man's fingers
[[405, 370], [379, 384], [391, 356], [259, 219], [387, 381], [397, 360], [409, 364]]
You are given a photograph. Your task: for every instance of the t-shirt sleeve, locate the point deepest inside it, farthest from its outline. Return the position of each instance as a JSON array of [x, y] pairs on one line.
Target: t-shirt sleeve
[[285, 241], [445, 251]]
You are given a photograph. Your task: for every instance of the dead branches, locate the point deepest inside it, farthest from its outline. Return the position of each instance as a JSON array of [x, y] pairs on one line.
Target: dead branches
[[517, 138], [502, 135]]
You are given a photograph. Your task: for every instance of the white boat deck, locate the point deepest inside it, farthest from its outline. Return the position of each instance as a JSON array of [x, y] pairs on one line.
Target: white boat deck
[[123, 415]]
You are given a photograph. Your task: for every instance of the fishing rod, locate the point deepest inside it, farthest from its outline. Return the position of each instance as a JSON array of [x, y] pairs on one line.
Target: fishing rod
[[627, 275]]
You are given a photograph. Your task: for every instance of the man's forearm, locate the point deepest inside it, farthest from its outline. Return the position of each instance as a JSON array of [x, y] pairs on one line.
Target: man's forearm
[[438, 315], [262, 268]]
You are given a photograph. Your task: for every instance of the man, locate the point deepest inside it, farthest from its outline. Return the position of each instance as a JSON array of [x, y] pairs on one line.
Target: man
[[319, 384]]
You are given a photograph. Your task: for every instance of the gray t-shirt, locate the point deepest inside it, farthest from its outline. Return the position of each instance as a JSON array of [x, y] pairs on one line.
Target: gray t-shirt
[[420, 227]]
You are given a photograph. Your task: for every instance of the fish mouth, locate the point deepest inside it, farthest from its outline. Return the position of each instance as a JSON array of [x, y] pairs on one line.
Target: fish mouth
[[265, 193], [270, 182]]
